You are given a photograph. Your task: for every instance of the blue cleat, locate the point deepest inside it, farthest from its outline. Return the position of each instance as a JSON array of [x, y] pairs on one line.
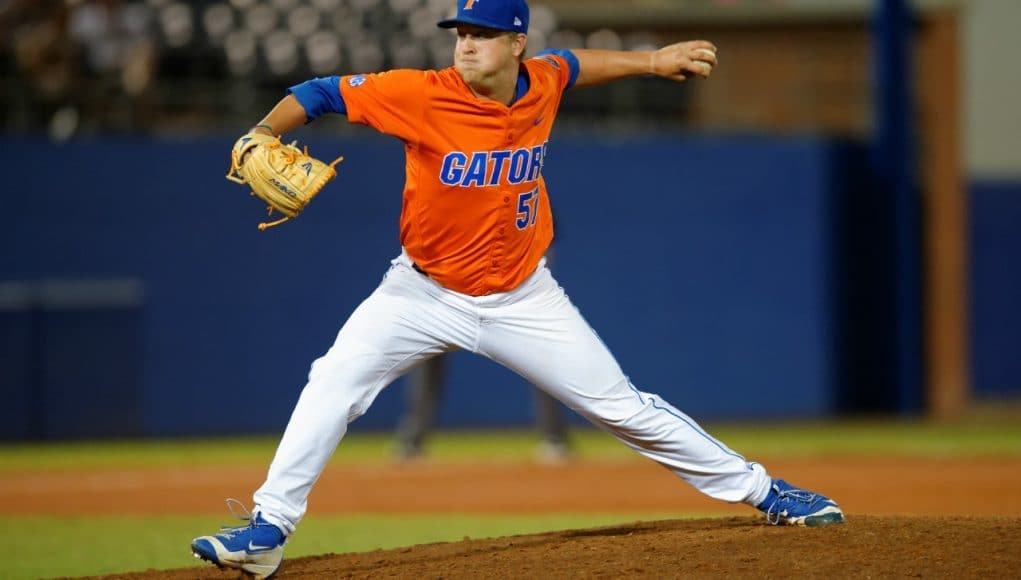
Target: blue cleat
[[788, 505], [256, 549]]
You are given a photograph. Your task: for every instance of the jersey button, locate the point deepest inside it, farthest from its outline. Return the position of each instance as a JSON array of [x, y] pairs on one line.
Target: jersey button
[[506, 199], [496, 263], [502, 230]]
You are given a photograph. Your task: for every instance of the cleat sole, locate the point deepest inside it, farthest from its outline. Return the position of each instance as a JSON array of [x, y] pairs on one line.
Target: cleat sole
[[824, 520]]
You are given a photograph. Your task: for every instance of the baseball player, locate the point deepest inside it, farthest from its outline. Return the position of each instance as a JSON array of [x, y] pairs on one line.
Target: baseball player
[[474, 227]]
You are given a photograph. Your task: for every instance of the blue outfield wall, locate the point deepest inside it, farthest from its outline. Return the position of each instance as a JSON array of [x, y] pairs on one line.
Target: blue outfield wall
[[714, 268], [995, 213]]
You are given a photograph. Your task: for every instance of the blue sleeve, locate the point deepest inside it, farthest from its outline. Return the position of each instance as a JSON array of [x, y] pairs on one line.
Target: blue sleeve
[[319, 96], [572, 62]]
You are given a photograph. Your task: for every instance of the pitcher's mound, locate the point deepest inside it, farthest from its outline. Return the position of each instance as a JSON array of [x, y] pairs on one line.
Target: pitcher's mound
[[737, 547]]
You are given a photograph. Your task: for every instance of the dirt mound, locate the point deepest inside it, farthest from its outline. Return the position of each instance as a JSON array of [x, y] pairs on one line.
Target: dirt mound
[[736, 547]]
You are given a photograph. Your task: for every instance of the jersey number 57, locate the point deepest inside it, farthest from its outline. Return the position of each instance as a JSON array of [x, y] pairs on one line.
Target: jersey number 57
[[528, 208]]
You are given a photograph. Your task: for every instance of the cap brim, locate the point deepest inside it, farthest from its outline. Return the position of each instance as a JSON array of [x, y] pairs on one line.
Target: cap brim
[[453, 22]]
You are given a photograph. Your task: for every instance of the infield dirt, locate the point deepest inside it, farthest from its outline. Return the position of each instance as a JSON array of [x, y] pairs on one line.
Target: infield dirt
[[735, 547]]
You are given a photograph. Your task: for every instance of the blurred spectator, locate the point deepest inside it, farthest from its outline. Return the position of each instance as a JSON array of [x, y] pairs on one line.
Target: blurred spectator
[[79, 64], [44, 59], [199, 65], [117, 41]]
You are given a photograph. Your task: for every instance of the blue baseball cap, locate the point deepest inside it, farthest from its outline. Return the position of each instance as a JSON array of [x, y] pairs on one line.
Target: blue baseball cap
[[511, 15]]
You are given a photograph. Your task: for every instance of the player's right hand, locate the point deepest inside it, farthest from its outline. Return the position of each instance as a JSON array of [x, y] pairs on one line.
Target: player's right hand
[[679, 61]]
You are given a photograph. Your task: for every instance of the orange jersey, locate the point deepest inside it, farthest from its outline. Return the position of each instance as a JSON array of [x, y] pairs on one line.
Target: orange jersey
[[476, 215]]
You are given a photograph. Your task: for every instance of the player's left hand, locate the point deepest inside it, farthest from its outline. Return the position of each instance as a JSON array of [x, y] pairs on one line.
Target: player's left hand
[[283, 176], [679, 61]]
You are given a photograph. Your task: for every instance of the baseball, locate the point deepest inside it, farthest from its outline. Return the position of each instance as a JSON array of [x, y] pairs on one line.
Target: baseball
[[703, 53]]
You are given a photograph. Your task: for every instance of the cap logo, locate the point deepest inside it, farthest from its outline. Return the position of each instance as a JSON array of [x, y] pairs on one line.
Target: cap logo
[[517, 21], [469, 3]]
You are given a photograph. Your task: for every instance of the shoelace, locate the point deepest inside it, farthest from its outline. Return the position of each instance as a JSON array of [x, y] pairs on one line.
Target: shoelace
[[773, 517], [229, 531]]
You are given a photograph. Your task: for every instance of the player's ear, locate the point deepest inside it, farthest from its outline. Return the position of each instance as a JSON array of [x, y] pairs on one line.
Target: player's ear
[[519, 43]]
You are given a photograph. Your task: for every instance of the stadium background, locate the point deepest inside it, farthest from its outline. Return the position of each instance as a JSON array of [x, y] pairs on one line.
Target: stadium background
[[828, 218]]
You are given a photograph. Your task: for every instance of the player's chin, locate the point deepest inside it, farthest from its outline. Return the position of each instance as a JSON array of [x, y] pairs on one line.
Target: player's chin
[[468, 72]]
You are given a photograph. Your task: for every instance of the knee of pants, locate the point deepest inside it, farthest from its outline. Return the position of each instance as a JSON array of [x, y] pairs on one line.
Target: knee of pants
[[617, 408]]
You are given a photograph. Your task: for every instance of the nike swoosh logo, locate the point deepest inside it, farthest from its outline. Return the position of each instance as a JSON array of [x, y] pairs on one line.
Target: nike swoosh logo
[[253, 548]]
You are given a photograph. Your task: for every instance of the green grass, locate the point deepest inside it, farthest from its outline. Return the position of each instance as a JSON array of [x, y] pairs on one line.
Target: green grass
[[788, 439], [882, 438], [47, 547]]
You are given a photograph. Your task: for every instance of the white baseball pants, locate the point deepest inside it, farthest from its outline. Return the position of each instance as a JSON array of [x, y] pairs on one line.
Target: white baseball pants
[[535, 331]]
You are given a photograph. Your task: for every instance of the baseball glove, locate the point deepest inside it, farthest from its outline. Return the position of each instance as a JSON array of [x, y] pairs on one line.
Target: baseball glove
[[283, 176]]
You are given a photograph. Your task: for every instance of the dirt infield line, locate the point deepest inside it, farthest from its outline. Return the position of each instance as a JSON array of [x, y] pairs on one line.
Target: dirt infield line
[[935, 486]]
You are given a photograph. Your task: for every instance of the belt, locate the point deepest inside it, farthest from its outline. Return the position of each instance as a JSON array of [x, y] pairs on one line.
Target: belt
[[419, 269]]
